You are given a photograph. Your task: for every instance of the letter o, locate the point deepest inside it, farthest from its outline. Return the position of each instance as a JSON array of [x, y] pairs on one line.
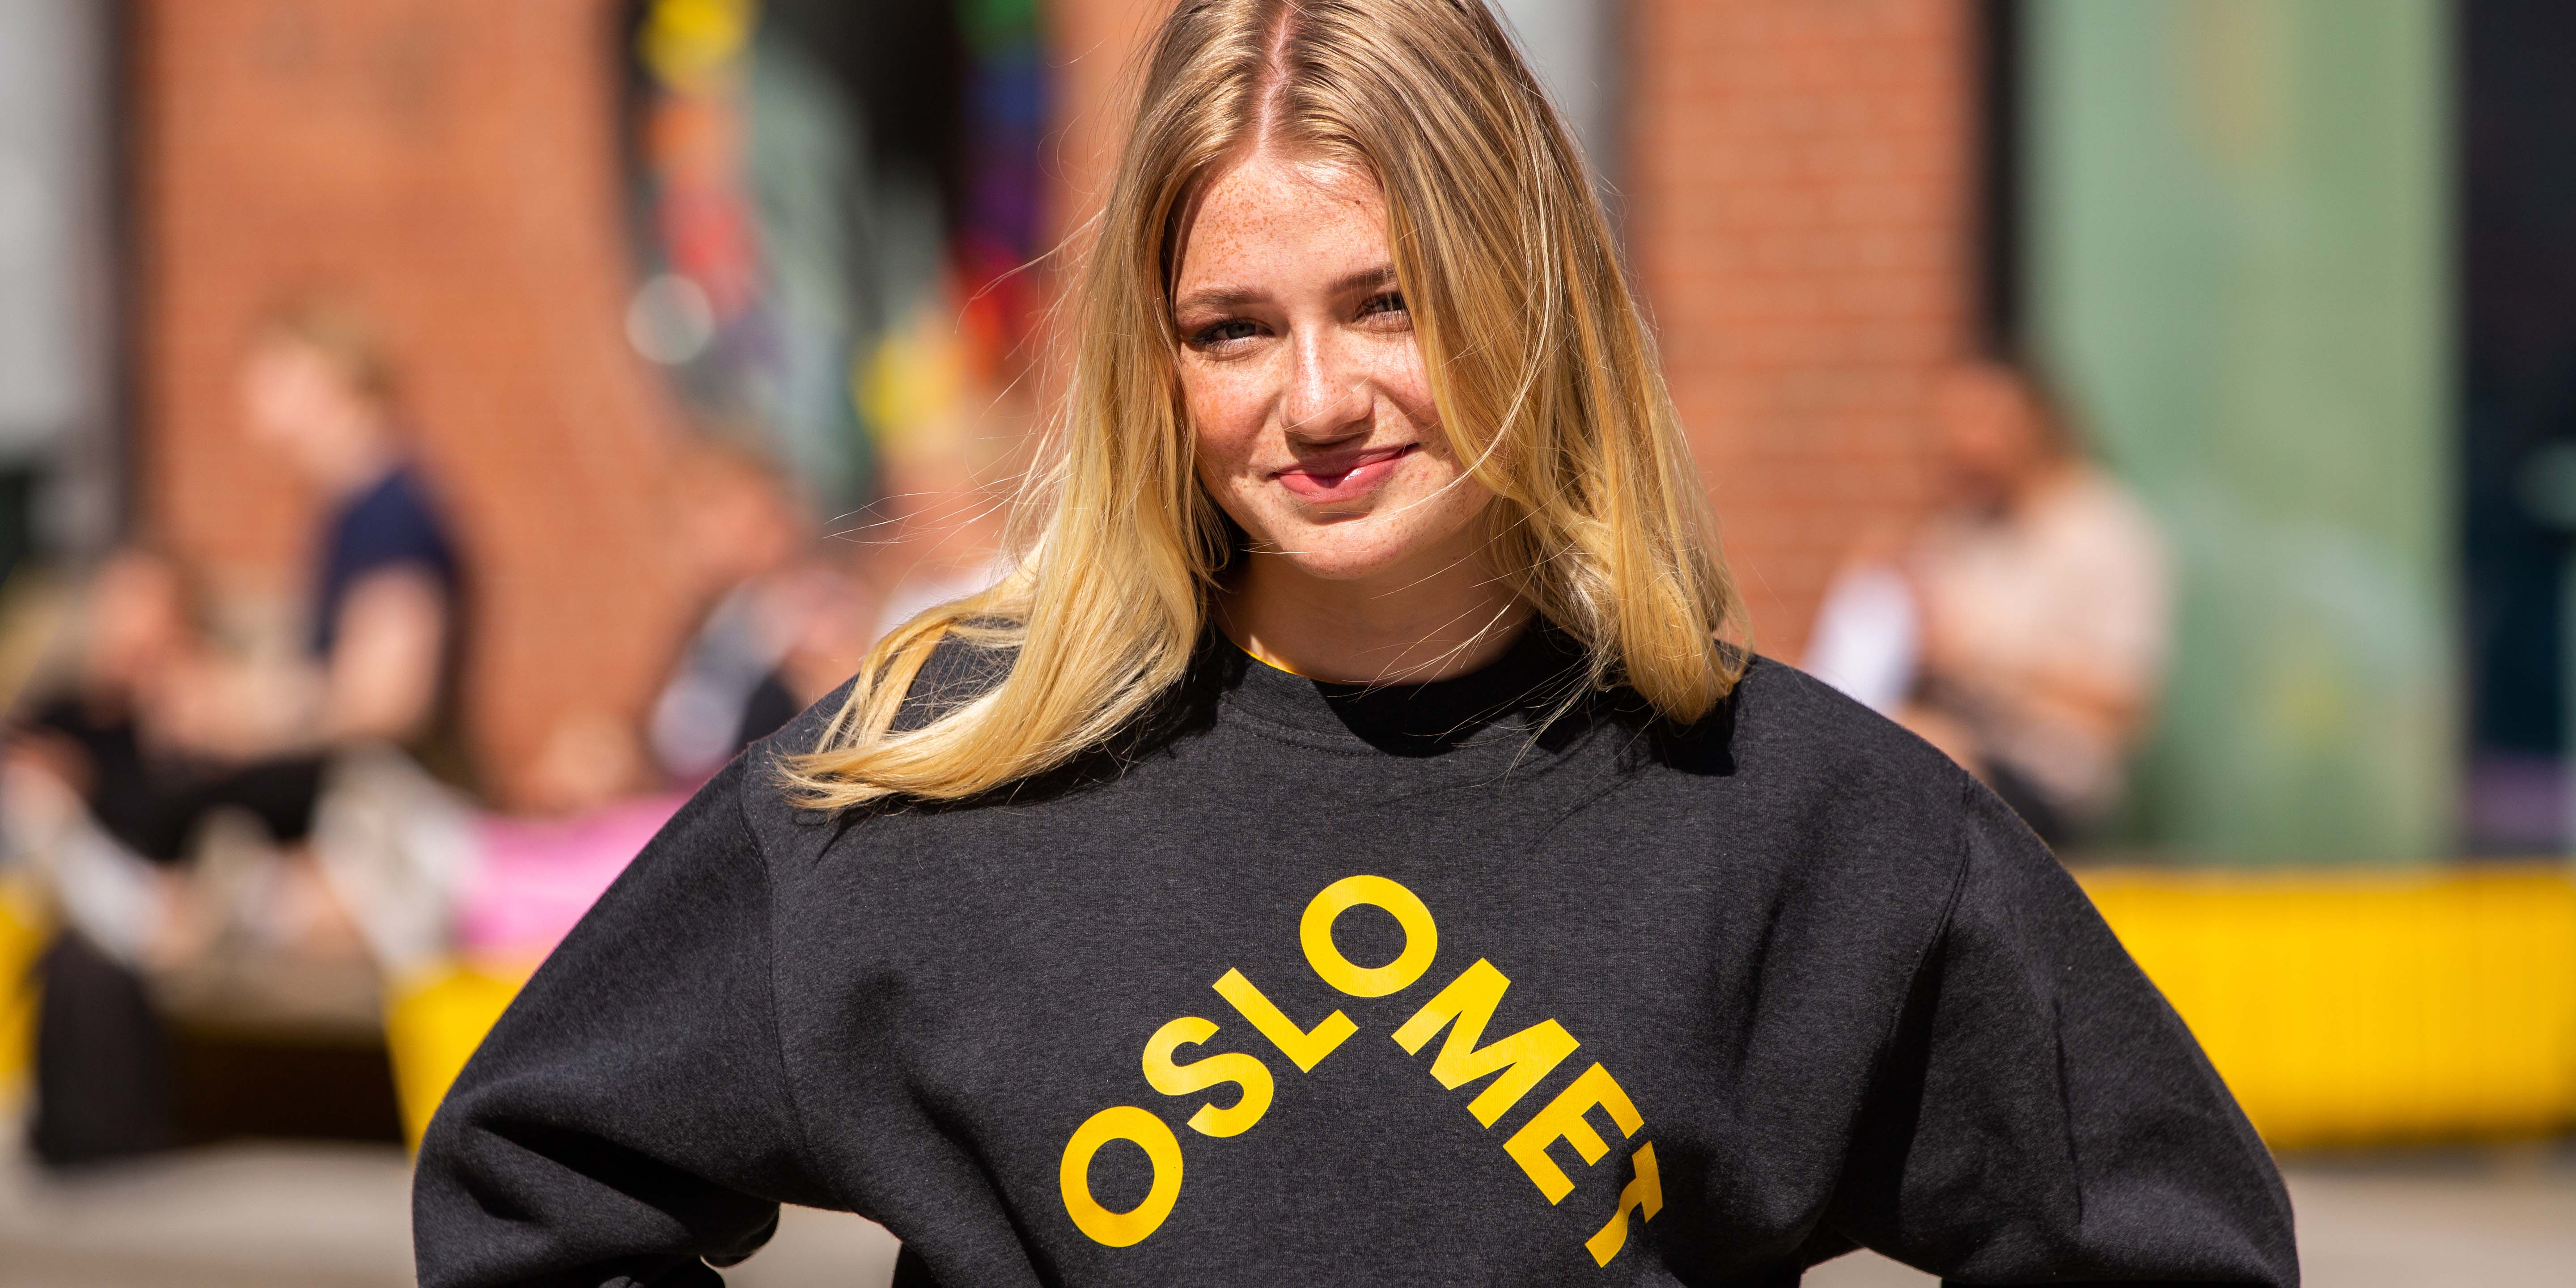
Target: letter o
[[1128, 1123], [1421, 936]]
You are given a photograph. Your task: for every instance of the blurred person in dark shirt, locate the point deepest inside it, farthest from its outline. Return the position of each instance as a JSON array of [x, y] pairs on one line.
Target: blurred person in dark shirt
[[385, 613], [164, 727], [2023, 626], [109, 786]]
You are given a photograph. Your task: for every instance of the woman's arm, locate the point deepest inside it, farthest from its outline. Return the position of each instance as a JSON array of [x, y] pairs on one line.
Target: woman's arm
[[385, 669], [2043, 1115], [629, 1119]]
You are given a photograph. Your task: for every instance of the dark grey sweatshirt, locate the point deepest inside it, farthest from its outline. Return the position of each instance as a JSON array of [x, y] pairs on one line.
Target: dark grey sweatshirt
[[1308, 985]]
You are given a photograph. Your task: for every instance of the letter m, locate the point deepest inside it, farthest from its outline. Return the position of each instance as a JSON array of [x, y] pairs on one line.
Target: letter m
[[1523, 1058]]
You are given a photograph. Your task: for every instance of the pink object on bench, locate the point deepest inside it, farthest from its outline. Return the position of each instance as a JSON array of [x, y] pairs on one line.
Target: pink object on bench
[[535, 878]]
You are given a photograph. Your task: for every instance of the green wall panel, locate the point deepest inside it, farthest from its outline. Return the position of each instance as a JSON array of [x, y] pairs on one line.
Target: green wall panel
[[2238, 269]]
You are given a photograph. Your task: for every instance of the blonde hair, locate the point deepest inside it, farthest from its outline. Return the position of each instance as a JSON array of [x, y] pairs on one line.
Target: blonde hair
[[342, 337], [1544, 377]]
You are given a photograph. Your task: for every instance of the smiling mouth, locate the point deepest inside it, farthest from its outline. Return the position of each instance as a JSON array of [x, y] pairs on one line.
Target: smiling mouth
[[1342, 476]]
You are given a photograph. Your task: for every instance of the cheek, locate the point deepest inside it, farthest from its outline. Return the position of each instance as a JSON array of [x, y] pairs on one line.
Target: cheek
[[1403, 375], [1225, 420], [1401, 378], [1217, 462]]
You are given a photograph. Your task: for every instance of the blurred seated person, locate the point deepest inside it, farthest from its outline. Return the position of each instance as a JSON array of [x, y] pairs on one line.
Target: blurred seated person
[[772, 634], [83, 750], [743, 544], [164, 728], [430, 876], [110, 786], [2023, 626], [780, 623]]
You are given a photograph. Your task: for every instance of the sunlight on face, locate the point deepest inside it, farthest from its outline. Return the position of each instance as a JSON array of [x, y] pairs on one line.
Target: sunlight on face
[[1990, 434], [297, 401], [1305, 385]]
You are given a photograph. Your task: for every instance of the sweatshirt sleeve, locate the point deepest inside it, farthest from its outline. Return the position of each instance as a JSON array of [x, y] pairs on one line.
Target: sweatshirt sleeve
[[2042, 1115], [628, 1120]]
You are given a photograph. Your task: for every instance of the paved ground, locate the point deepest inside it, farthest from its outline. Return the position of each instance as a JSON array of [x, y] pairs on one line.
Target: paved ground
[[2491, 1219], [305, 1216]]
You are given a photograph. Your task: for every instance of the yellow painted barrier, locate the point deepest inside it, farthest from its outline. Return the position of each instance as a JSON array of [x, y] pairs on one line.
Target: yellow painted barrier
[[2369, 1008], [24, 929], [2343, 1009], [433, 1022]]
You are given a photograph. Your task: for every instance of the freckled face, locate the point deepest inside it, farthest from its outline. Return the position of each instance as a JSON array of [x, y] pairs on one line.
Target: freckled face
[[1305, 385]]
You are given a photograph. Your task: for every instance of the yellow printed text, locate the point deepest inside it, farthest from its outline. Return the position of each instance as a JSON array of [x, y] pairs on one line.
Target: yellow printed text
[[1305, 1048], [1128, 1123], [1646, 1194], [1563, 1119], [1421, 936], [1199, 1075], [1524, 1058]]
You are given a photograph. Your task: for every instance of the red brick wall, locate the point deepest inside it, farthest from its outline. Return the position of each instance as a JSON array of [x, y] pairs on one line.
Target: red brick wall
[[449, 166], [1800, 177]]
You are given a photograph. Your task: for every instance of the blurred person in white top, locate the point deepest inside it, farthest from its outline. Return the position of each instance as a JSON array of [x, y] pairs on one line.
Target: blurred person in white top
[[2023, 625]]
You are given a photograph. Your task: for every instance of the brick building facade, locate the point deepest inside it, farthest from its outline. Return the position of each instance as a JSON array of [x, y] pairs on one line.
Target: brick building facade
[[452, 170], [1800, 180], [1798, 185]]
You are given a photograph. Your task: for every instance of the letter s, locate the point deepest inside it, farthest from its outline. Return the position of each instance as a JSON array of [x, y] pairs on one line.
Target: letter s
[[1216, 1070]]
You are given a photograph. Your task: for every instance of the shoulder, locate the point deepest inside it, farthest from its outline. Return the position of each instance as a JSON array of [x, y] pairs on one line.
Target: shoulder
[[2107, 512], [398, 519], [957, 672], [701, 854], [402, 496], [1820, 781], [1791, 727]]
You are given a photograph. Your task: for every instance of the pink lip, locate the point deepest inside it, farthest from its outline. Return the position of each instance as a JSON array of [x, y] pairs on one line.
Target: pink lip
[[1341, 476]]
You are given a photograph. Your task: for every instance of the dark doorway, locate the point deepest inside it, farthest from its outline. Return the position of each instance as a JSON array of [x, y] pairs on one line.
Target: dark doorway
[[2518, 391]]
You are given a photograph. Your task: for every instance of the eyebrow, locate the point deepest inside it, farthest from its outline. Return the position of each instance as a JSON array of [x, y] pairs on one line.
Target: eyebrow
[[1226, 297]]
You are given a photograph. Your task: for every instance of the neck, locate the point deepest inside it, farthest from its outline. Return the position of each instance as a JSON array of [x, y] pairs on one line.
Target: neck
[[2010, 498], [2050, 475], [361, 461], [1402, 626]]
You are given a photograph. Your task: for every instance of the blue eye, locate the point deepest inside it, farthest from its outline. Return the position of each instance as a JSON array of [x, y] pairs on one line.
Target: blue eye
[[1230, 329]]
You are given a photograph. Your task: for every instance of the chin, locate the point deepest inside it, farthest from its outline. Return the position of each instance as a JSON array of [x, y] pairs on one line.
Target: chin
[[1397, 528], [1325, 566], [1348, 551]]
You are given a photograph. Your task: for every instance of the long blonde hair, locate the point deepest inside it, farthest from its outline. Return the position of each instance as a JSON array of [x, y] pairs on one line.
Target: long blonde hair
[[1544, 377]]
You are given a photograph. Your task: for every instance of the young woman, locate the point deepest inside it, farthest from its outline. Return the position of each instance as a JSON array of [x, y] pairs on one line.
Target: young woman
[[1343, 851]]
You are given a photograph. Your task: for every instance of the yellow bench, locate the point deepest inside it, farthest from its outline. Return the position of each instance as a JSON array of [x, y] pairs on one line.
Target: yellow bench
[[24, 929], [2369, 1008], [433, 1022]]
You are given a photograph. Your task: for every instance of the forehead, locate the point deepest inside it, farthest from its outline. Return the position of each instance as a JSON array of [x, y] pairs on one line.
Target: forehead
[[279, 354], [1271, 217]]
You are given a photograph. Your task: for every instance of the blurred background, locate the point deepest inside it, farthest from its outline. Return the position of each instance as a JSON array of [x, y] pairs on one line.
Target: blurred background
[[435, 434]]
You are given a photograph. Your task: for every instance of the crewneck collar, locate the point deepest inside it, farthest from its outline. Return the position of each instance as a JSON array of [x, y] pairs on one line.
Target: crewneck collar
[[1529, 680]]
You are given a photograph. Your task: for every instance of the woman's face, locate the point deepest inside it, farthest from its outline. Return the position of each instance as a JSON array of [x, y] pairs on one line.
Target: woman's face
[[300, 403], [1305, 385]]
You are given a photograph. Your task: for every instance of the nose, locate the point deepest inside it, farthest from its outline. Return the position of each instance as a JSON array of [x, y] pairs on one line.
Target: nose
[[1328, 395]]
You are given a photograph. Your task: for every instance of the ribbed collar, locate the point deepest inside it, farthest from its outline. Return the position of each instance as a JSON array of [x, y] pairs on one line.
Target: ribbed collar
[[1528, 681]]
